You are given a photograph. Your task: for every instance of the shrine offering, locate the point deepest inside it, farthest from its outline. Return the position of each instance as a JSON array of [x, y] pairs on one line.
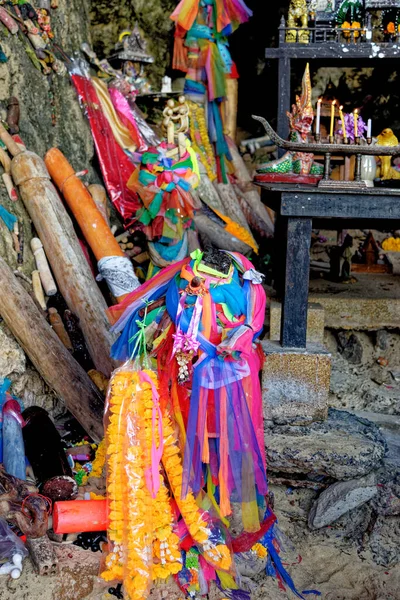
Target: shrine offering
[[13, 443], [297, 166], [115, 165], [201, 51], [59, 240], [168, 174], [113, 265], [191, 325]]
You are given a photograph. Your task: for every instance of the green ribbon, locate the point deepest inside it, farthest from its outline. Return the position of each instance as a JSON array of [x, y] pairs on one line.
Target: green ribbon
[[140, 337]]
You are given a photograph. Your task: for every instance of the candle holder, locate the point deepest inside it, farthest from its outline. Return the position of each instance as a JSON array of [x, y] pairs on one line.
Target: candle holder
[[357, 141], [346, 140], [369, 141], [331, 139], [317, 137]]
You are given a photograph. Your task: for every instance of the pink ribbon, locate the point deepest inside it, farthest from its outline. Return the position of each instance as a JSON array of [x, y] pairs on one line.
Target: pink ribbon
[[152, 473], [187, 342]]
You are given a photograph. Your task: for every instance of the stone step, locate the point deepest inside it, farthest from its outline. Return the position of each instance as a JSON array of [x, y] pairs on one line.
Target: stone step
[[370, 303], [315, 322], [344, 446], [295, 383]]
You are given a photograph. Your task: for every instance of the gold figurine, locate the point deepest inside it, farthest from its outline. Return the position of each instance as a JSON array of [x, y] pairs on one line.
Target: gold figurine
[[298, 18]]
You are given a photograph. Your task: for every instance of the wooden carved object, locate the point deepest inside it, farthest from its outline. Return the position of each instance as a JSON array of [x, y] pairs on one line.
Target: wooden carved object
[[50, 357], [63, 250], [46, 277], [112, 264], [38, 290]]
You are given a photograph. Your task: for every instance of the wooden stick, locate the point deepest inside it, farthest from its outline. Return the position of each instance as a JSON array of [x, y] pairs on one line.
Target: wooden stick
[[58, 327], [72, 272], [6, 138], [250, 192], [11, 191], [46, 277], [38, 290], [53, 361]]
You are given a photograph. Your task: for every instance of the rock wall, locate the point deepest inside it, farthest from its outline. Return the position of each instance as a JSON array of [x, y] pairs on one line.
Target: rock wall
[[50, 116], [109, 18]]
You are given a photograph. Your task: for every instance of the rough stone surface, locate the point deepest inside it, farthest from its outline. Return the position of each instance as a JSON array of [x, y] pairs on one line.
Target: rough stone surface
[[394, 260], [295, 384], [110, 18], [384, 541], [50, 116], [373, 385], [248, 564], [350, 347], [340, 498], [343, 447], [315, 322], [382, 339]]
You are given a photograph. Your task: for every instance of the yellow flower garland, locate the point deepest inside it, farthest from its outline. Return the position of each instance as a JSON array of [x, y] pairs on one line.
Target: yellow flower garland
[[141, 528], [198, 132]]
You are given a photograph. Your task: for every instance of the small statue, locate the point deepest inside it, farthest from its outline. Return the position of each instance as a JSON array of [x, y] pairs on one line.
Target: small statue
[[297, 18], [387, 138], [131, 55], [300, 121], [176, 122]]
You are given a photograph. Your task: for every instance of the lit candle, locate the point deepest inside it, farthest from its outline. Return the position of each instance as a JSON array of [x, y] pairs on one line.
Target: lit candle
[[355, 116], [332, 118], [318, 121], [369, 128], [343, 123]]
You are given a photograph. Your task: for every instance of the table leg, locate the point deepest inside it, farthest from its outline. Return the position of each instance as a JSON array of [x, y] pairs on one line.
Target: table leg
[[284, 96], [297, 273]]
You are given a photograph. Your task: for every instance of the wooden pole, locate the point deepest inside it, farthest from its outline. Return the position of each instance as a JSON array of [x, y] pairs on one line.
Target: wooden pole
[[72, 272], [53, 361]]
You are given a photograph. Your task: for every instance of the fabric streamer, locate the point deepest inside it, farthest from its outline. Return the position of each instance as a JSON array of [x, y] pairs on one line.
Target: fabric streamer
[[8, 218], [121, 133], [164, 184], [129, 118], [115, 165], [201, 51], [220, 393]]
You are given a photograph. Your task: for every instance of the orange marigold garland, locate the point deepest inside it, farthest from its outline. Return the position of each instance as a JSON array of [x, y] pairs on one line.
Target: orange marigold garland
[[144, 545]]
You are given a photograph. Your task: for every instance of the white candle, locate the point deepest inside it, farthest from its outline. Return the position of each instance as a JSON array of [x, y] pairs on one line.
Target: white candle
[[318, 121], [369, 128]]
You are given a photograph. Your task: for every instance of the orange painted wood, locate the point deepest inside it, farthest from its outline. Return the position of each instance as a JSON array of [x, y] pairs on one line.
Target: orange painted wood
[[89, 218]]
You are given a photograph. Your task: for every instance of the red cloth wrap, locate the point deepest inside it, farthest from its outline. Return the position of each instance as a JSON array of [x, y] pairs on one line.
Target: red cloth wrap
[[115, 165]]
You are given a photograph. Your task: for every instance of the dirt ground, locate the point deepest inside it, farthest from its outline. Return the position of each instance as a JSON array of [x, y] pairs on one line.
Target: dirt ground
[[331, 563]]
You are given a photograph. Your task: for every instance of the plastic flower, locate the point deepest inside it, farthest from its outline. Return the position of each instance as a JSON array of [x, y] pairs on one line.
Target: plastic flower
[[391, 244], [349, 124], [144, 545]]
